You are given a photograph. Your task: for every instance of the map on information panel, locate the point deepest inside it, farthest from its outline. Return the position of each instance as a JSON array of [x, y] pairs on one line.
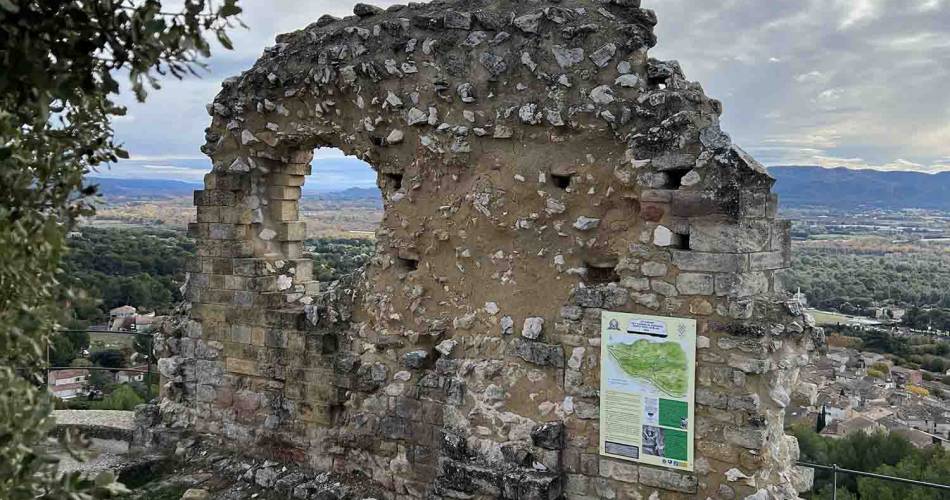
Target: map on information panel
[[647, 384]]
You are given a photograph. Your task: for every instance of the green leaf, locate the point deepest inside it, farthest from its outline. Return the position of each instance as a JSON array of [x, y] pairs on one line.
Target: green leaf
[[229, 9], [225, 40], [9, 6]]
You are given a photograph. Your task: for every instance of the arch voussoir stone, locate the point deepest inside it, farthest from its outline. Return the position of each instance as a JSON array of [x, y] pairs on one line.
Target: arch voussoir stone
[[537, 167]]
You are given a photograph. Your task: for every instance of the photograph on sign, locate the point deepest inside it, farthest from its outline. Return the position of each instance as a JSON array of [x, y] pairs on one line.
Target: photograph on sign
[[647, 385]]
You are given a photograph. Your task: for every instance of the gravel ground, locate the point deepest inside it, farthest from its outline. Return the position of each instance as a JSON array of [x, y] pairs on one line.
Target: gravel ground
[[105, 418], [104, 454]]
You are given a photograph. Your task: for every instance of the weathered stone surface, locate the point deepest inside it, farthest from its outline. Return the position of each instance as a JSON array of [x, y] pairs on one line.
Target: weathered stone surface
[[537, 167], [366, 10], [668, 479], [195, 494], [539, 353], [722, 235], [695, 284], [548, 435], [532, 328], [621, 471], [584, 223]]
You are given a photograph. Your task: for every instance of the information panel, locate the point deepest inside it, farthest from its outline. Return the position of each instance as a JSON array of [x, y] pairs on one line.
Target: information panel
[[647, 387]]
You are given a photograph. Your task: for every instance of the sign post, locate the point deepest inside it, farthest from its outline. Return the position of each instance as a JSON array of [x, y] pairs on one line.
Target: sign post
[[647, 389]]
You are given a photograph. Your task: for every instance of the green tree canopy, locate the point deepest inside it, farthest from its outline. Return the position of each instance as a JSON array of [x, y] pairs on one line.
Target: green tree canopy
[[60, 62]]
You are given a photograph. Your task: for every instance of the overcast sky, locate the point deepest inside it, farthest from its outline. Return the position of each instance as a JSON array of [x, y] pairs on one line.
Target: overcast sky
[[856, 83]]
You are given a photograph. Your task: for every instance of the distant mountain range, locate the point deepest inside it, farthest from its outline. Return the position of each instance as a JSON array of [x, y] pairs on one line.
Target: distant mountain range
[[142, 189], [350, 194], [796, 187], [845, 188]]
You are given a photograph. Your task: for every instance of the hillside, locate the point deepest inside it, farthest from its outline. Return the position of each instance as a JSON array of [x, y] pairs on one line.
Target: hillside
[[846, 188], [796, 186], [142, 189]]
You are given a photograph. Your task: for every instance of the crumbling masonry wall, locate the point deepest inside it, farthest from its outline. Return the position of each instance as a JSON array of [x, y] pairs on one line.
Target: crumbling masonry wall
[[537, 167]]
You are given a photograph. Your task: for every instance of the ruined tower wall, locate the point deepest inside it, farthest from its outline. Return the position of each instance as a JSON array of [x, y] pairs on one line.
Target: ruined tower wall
[[537, 168]]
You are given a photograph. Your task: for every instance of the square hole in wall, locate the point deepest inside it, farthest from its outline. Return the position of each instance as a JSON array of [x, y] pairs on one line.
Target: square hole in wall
[[602, 272], [562, 181], [675, 177]]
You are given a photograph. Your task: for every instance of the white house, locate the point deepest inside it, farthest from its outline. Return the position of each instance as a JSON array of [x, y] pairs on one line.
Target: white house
[[67, 384]]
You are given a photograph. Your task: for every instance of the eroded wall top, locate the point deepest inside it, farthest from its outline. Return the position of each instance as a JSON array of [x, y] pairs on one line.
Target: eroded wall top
[[537, 167]]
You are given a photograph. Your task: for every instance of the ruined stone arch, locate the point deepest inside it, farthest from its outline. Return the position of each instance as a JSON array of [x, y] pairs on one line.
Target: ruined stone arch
[[536, 167]]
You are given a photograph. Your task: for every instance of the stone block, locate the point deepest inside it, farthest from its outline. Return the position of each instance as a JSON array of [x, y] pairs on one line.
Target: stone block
[[746, 437], [262, 284], [532, 328], [749, 364], [587, 297], [215, 198], [284, 210], [663, 288], [652, 212], [771, 209], [669, 480], [763, 261], [208, 214], [317, 414], [620, 471], [781, 240], [301, 156], [695, 284], [653, 269], [253, 267], [236, 215], [195, 494], [742, 284], [709, 262], [709, 397], [226, 182], [287, 180], [291, 231], [746, 402], [635, 284], [548, 435], [296, 169], [717, 451], [696, 204], [538, 353], [242, 366], [218, 231], [657, 195], [283, 192], [753, 202], [719, 234]]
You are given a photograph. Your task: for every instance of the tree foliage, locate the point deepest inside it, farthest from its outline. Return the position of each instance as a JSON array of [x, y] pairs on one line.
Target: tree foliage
[[333, 258], [124, 397], [60, 62], [881, 453], [853, 281], [115, 267]]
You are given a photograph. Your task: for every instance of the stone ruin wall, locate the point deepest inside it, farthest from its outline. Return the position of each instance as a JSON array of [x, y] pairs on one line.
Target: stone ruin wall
[[536, 168]]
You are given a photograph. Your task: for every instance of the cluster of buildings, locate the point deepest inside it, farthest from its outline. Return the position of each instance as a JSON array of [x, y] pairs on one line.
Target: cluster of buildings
[[851, 391], [127, 319], [75, 382]]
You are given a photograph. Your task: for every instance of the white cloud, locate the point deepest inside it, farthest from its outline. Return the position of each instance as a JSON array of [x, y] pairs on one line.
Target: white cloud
[[133, 170], [896, 165], [858, 11], [811, 76], [859, 80]]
